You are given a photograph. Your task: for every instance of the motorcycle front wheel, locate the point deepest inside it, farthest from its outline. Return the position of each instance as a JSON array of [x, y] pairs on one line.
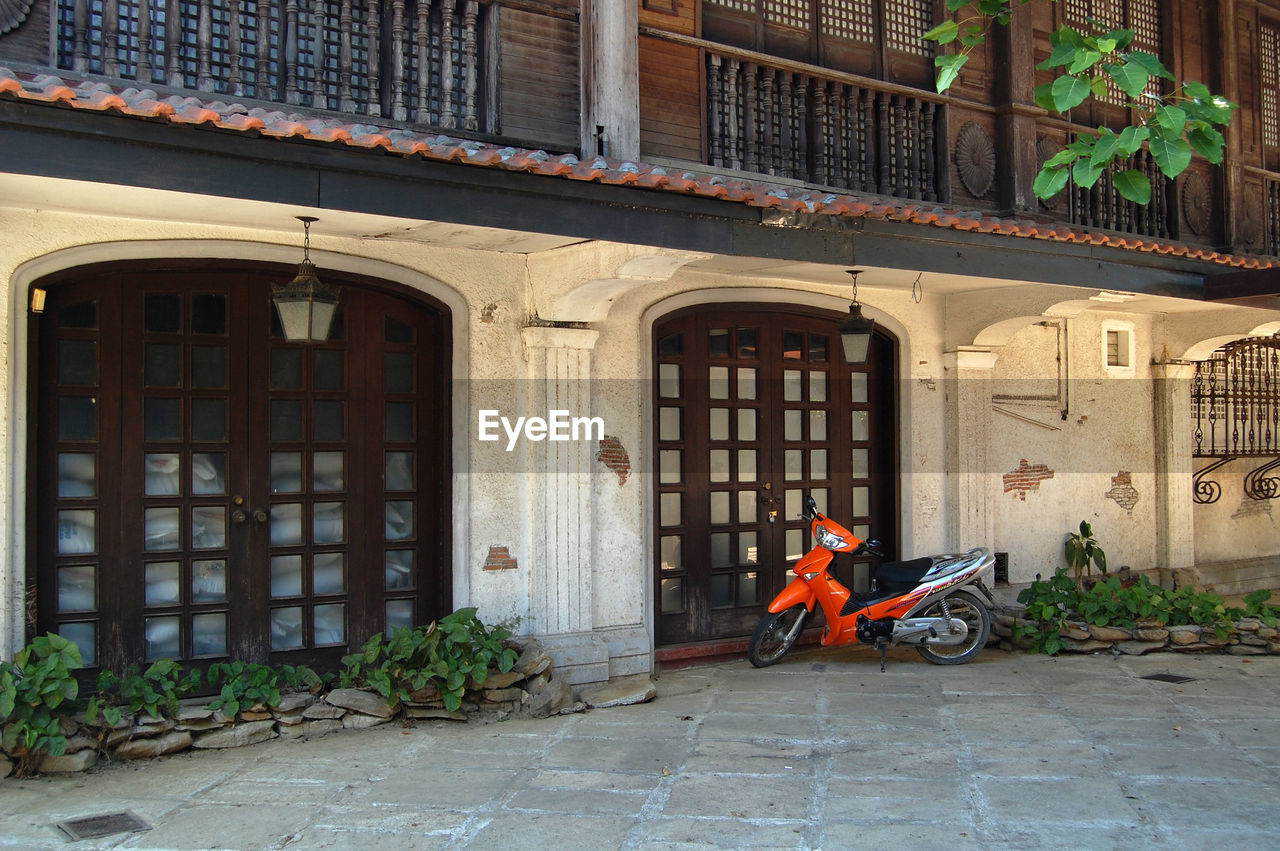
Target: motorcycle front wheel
[[776, 634], [971, 610]]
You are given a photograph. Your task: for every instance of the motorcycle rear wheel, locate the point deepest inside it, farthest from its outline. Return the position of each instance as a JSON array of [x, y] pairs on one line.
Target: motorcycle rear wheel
[[775, 635], [973, 612]]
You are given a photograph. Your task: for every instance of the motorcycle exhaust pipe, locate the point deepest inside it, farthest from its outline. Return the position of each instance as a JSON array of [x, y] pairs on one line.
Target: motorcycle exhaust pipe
[[915, 631]]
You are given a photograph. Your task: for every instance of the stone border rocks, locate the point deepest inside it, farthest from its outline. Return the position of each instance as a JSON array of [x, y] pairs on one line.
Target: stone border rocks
[[530, 688], [1247, 637]]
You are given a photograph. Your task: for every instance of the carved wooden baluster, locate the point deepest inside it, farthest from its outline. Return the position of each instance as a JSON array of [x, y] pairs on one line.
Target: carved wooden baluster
[[786, 123], [319, 98], [715, 143], [883, 152], [144, 42], [803, 143], [471, 63], [235, 81], [346, 18], [768, 119], [448, 117], [262, 61], [423, 114], [821, 139], [80, 36], [732, 140], [913, 125], [867, 140], [374, 106], [750, 109], [173, 43], [838, 115], [901, 183], [291, 51], [398, 111], [930, 153], [204, 47], [111, 38]]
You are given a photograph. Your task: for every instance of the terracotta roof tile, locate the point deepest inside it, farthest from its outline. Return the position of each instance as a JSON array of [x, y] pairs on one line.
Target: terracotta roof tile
[[275, 123]]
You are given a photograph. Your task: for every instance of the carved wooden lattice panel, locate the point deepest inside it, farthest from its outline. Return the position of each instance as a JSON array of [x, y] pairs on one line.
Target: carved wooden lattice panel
[[1269, 77], [905, 21], [851, 19], [1140, 16], [787, 13]]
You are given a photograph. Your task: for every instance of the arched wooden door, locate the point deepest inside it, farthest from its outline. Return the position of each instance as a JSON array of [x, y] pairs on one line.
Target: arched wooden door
[[206, 489], [754, 408]]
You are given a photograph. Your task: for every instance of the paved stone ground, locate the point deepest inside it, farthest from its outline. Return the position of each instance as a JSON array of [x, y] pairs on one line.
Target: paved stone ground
[[821, 751]]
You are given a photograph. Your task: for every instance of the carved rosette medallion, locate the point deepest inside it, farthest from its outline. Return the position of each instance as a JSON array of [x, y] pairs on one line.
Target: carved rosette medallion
[[13, 13], [975, 159], [1047, 149], [1197, 205]]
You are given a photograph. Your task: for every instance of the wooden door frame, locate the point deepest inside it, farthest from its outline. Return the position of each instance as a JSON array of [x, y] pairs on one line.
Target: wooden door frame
[[888, 503], [439, 454]]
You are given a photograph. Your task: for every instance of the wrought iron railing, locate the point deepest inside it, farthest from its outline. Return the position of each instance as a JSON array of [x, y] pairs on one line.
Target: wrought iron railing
[[418, 61], [1235, 409]]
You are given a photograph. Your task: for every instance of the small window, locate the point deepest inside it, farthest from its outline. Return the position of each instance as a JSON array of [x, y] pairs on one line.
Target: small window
[[1117, 347]]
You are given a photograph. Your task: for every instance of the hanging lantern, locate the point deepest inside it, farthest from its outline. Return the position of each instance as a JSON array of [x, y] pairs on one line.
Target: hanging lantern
[[306, 305], [855, 331]]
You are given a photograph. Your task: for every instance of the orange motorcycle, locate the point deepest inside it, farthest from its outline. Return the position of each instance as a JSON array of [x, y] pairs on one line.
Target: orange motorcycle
[[937, 604]]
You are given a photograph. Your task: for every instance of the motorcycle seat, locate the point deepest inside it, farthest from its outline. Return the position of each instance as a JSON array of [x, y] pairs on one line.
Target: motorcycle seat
[[902, 575]]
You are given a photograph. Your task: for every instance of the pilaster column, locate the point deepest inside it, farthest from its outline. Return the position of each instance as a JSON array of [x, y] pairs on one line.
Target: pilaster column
[[970, 482], [1175, 469], [560, 525], [611, 78]]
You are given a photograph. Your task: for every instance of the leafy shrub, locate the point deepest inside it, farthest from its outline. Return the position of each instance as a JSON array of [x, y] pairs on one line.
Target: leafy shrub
[[445, 653], [1082, 550], [156, 691], [1115, 603], [37, 690], [245, 683], [1256, 606]]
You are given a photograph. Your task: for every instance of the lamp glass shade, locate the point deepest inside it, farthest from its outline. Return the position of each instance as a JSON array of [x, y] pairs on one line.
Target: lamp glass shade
[[855, 335], [306, 306]]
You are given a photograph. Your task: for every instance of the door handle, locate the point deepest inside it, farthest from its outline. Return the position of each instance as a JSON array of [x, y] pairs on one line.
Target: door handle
[[260, 516], [237, 516], [767, 487]]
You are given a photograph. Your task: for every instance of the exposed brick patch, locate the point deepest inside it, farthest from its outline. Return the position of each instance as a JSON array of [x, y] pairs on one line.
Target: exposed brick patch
[[1025, 478], [615, 457], [1122, 491], [486, 313], [500, 558]]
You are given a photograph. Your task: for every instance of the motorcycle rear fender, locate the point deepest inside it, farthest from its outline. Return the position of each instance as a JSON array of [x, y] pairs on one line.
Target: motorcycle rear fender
[[798, 592]]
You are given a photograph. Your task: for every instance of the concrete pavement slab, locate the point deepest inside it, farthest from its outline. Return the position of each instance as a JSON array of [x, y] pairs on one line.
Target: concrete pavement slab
[[820, 751]]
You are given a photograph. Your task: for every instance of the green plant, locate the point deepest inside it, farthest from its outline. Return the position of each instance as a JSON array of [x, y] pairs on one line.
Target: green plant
[[447, 652], [37, 691], [1082, 550], [1256, 606], [1047, 605], [243, 684], [1173, 124], [156, 691]]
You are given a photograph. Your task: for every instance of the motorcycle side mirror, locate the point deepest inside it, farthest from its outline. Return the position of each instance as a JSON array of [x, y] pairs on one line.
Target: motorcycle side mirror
[[872, 546]]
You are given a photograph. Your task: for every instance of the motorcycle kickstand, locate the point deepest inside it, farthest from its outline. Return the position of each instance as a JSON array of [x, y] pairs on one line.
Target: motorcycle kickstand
[[883, 648]]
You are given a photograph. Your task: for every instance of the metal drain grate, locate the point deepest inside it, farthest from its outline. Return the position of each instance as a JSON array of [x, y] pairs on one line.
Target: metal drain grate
[[91, 827], [1168, 678]]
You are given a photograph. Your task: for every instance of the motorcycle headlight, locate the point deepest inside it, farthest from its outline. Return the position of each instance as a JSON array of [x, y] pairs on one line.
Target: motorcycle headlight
[[829, 539]]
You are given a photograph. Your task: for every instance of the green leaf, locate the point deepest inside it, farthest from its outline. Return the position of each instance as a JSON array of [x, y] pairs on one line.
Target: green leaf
[[1133, 185], [1085, 173], [1084, 60], [1064, 53], [1085, 529], [1044, 96], [1132, 79], [1208, 143], [943, 33], [956, 5], [1100, 559], [1131, 139], [1050, 182], [1069, 92], [1171, 153], [1171, 119], [1104, 150], [1149, 62], [949, 69]]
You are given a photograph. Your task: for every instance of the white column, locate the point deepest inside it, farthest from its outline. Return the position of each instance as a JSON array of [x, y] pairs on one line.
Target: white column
[[1175, 469], [970, 482], [611, 76], [560, 569]]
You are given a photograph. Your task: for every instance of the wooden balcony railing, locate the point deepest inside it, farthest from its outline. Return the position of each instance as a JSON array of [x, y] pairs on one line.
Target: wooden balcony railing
[[1101, 206], [784, 120], [418, 61]]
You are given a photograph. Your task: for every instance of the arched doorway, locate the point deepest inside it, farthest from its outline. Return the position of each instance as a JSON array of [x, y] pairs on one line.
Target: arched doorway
[[754, 408], [205, 489]]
